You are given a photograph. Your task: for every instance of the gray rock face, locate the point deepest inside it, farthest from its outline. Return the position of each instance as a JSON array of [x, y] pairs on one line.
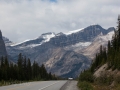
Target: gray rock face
[[7, 41], [53, 53], [67, 63], [2, 46]]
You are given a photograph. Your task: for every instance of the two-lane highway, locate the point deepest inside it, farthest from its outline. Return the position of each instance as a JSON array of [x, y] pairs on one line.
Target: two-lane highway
[[41, 85]]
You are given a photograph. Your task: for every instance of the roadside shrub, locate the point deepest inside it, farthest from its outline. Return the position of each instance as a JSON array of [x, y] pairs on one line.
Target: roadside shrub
[[117, 79], [104, 79], [86, 76], [85, 86]]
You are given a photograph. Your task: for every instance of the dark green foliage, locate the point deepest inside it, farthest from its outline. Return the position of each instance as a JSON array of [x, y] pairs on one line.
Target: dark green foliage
[[23, 70], [29, 69], [114, 50], [85, 86], [100, 59], [86, 76], [104, 79]]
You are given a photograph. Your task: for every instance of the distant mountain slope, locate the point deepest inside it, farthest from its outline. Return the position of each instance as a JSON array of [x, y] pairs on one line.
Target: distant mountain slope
[[3, 51], [67, 63], [91, 50]]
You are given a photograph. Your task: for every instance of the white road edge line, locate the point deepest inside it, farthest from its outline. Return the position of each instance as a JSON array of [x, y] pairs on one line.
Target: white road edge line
[[48, 85]]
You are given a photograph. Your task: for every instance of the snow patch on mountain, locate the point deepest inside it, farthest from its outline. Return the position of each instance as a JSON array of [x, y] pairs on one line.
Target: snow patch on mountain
[[105, 37], [15, 44], [82, 44], [48, 36], [30, 46], [74, 31], [77, 46]]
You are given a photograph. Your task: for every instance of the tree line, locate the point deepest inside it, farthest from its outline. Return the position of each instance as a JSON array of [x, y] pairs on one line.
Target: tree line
[[23, 70]]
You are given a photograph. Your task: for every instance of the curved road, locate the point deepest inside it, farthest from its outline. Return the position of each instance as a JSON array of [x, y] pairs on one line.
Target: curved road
[[41, 85]]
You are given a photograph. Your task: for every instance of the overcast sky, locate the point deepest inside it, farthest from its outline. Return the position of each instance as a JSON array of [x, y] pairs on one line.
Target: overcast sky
[[28, 19]]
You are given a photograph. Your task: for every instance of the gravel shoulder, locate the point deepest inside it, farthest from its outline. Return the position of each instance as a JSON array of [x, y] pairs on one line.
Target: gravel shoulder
[[70, 85]]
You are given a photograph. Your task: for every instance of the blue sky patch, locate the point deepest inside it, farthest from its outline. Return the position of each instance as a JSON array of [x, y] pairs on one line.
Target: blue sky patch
[[53, 0]]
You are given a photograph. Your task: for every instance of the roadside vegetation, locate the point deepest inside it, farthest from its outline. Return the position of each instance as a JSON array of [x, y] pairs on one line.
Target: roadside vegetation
[[22, 71], [109, 56]]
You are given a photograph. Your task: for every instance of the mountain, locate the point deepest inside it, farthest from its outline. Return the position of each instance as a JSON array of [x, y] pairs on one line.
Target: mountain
[[94, 47], [65, 39], [60, 52], [3, 51]]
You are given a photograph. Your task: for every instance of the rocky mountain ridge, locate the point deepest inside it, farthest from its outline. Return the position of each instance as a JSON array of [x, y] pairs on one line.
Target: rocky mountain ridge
[[60, 52]]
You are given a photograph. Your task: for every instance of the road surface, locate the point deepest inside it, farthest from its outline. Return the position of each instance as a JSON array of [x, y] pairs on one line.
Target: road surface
[[41, 85]]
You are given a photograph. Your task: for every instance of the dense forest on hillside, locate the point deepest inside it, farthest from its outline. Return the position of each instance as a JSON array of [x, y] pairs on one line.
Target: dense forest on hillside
[[109, 55], [23, 70]]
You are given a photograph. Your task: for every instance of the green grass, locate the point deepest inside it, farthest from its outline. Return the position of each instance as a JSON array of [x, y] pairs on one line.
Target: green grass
[[5, 83]]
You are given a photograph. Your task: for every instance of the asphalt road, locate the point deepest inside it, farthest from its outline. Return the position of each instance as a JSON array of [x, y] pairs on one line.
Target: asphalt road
[[41, 85]]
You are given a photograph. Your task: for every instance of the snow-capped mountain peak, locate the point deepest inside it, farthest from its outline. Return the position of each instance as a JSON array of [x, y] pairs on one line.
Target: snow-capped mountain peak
[[37, 41]]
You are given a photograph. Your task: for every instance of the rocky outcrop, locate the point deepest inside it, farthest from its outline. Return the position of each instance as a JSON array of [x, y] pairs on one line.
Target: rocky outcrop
[[92, 49], [7, 41], [3, 51]]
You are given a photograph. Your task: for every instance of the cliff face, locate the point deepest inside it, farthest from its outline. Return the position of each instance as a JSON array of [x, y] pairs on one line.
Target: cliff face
[[3, 51]]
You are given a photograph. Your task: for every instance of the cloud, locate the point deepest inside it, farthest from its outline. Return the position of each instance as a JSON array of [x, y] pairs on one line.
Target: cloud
[[27, 19]]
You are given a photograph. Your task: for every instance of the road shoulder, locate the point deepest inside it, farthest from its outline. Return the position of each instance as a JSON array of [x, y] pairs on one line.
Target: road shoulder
[[70, 85]]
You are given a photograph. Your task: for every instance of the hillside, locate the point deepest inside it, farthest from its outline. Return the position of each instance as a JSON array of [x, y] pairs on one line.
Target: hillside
[[104, 73]]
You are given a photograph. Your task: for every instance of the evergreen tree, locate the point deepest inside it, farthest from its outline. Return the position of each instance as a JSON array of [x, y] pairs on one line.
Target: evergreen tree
[[24, 69], [20, 70], [29, 69], [6, 68]]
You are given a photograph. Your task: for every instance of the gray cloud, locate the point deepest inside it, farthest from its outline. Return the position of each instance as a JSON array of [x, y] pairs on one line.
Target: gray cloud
[[27, 19]]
